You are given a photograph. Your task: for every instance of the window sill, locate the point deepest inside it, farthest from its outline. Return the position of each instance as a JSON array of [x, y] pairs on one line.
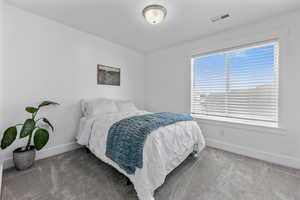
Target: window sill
[[265, 127]]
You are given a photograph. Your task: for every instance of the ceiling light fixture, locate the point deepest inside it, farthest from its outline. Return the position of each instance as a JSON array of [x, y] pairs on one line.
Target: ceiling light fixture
[[154, 14]]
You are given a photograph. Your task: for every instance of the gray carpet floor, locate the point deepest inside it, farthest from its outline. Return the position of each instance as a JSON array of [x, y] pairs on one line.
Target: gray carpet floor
[[215, 175]]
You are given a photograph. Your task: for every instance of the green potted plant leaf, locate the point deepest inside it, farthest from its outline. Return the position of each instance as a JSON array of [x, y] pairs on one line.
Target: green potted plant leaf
[[24, 156]]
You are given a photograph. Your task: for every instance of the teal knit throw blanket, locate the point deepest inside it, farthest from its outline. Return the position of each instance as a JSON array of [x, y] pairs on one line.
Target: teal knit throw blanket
[[126, 138]]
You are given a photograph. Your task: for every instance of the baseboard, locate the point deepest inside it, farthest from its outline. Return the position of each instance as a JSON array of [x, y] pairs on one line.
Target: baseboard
[[8, 163], [261, 155]]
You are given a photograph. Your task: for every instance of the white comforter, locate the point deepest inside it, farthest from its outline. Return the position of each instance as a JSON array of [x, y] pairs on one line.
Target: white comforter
[[165, 148]]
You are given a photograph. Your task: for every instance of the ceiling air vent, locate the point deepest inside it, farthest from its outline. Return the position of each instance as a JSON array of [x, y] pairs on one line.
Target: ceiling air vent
[[220, 17]]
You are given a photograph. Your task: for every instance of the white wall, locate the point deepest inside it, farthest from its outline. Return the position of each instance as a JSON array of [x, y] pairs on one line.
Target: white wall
[[1, 65], [1, 58], [168, 89], [47, 60]]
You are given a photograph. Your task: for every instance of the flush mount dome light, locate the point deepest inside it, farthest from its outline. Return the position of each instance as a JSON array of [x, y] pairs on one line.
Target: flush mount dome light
[[154, 14]]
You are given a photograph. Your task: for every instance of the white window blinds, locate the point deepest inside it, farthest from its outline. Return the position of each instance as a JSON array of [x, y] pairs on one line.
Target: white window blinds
[[241, 83]]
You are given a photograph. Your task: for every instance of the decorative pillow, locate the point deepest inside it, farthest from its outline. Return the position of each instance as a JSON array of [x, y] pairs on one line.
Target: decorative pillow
[[98, 106], [126, 106]]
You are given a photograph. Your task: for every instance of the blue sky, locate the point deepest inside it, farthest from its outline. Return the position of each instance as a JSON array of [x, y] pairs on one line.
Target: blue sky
[[248, 69]]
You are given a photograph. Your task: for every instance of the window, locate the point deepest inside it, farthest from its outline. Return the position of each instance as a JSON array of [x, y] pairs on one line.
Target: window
[[238, 85]]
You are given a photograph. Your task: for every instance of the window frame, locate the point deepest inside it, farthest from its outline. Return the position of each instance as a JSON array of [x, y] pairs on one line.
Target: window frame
[[242, 47]]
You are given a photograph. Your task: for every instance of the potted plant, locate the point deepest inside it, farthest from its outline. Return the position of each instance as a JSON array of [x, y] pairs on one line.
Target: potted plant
[[24, 156]]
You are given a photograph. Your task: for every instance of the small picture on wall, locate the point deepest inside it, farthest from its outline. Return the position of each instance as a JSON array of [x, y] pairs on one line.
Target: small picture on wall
[[108, 75]]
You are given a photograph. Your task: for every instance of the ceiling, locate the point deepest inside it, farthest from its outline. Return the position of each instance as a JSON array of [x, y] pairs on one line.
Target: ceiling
[[121, 21]]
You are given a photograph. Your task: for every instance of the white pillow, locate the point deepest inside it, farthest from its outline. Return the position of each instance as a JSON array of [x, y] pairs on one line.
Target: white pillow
[[98, 106], [126, 106]]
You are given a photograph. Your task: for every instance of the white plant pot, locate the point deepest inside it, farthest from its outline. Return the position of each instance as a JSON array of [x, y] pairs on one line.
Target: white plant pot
[[24, 159]]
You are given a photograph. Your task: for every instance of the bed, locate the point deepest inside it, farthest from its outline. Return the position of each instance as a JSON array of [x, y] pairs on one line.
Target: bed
[[164, 149]]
